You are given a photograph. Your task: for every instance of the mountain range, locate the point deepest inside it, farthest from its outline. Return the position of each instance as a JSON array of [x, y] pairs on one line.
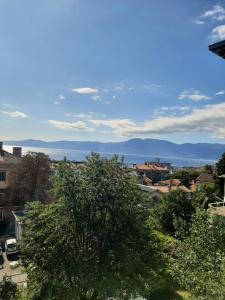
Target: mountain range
[[151, 147]]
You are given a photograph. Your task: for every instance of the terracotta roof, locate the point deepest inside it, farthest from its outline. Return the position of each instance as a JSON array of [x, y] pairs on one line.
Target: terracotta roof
[[151, 167], [173, 182], [166, 189], [204, 178], [147, 181], [143, 167]]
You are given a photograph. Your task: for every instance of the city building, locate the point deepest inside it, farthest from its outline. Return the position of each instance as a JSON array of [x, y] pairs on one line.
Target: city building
[[154, 171], [7, 162]]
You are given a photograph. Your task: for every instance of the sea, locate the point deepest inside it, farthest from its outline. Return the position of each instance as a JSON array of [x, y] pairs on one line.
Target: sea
[[78, 155]]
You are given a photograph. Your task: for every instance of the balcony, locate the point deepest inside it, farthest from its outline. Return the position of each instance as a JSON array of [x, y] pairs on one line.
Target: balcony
[[217, 208]]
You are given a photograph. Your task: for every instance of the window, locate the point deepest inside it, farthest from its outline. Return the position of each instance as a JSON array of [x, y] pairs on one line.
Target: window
[[2, 175]]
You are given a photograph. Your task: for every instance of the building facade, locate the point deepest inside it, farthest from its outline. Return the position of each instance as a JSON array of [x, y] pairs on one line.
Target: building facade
[[7, 162]]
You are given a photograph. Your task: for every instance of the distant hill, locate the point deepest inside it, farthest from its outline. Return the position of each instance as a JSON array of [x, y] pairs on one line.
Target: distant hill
[[151, 147]]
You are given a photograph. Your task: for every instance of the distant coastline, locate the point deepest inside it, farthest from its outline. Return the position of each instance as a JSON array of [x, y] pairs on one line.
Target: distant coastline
[[141, 147], [129, 158]]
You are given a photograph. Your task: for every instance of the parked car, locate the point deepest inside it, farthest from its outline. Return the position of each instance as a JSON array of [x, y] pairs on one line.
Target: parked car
[[11, 246]]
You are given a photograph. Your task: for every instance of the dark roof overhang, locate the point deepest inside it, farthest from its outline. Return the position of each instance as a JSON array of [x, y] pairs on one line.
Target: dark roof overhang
[[218, 48]]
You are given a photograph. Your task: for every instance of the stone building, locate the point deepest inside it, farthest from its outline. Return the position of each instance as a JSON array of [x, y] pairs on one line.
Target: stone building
[[154, 171], [7, 162]]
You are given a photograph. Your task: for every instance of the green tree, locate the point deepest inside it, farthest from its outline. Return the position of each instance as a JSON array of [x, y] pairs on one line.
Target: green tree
[[174, 212], [29, 179], [94, 241], [220, 170], [200, 263], [206, 193], [186, 176], [208, 169], [7, 290], [220, 166]]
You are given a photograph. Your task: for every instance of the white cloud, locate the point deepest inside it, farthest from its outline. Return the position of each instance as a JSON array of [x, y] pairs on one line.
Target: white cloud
[[218, 33], [79, 125], [8, 105], [152, 87], [96, 98], [193, 95], [210, 120], [118, 87], [89, 115], [80, 116], [199, 22], [117, 125], [85, 90], [61, 97], [171, 109], [14, 114], [220, 93], [216, 13]]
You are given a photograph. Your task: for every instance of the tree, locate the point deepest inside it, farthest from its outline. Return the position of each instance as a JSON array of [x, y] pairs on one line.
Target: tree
[[220, 170], [94, 241], [220, 166], [7, 290], [29, 179], [186, 176], [208, 169], [174, 212], [200, 263], [206, 193]]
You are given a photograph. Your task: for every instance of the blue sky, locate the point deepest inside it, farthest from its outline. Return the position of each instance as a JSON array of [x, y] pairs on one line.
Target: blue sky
[[111, 70]]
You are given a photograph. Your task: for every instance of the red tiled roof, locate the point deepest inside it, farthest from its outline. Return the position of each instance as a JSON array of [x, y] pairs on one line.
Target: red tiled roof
[[204, 178], [143, 167], [151, 167], [173, 182], [147, 181], [166, 189]]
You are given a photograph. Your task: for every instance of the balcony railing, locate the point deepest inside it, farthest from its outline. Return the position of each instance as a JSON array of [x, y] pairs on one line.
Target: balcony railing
[[216, 205]]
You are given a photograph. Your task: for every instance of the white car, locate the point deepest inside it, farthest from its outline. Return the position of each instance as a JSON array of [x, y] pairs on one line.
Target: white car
[[11, 246]]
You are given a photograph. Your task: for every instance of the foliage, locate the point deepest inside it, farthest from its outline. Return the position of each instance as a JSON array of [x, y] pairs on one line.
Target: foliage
[[94, 241], [206, 193], [174, 212], [29, 179], [220, 166], [200, 263], [208, 169], [220, 170], [7, 290], [186, 176]]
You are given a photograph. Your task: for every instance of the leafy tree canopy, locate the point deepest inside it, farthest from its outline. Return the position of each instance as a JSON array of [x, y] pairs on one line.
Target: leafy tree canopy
[[186, 176], [200, 263], [94, 241], [206, 193], [220, 166], [174, 212]]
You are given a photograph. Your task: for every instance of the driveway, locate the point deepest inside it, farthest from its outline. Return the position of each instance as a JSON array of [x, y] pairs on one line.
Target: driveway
[[16, 274]]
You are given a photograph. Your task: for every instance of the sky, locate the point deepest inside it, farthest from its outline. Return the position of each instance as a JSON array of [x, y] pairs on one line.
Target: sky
[[103, 70]]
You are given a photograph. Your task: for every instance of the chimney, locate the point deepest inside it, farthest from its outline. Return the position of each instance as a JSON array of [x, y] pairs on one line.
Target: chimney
[[17, 151], [1, 146]]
